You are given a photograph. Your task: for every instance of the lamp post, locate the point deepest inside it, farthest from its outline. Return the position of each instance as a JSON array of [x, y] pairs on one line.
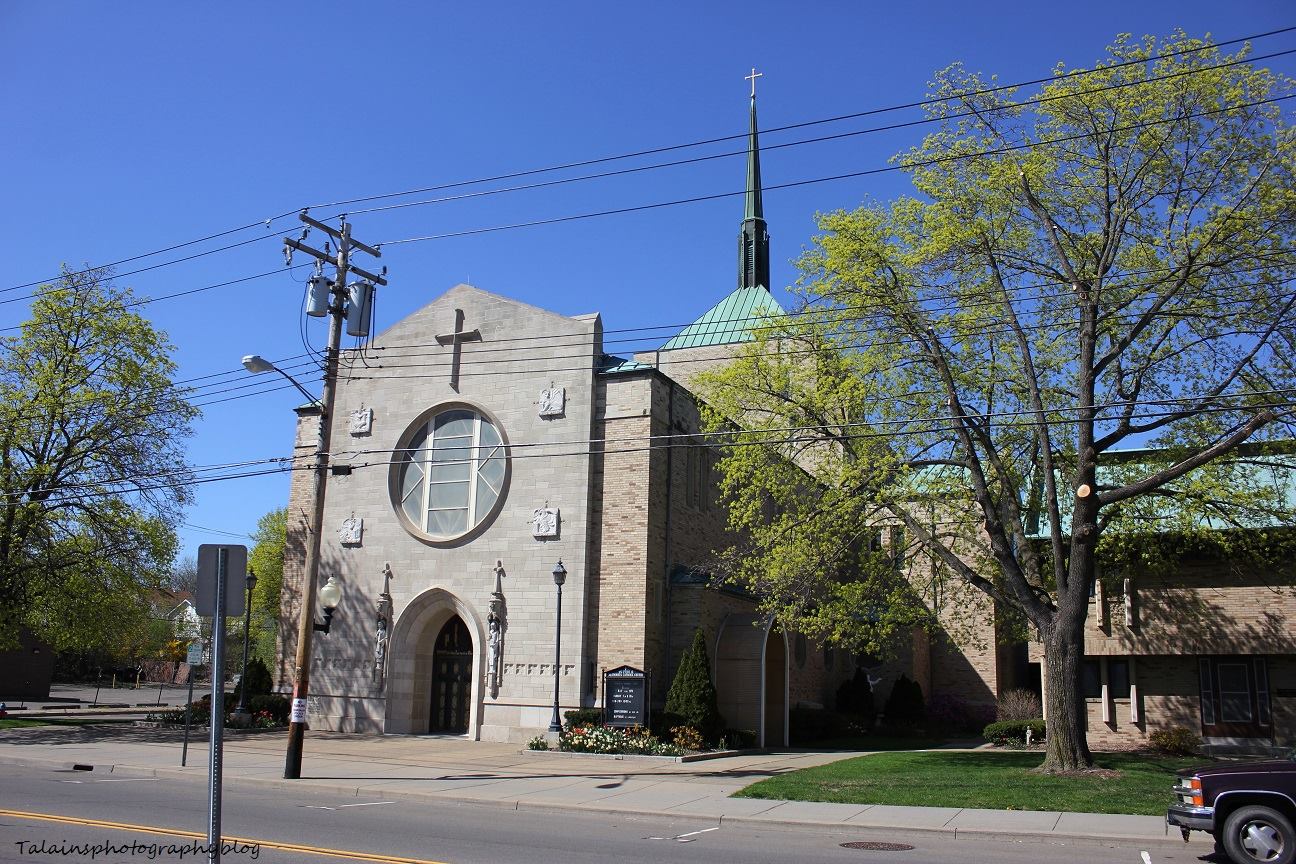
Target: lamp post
[[559, 576], [306, 625], [242, 710]]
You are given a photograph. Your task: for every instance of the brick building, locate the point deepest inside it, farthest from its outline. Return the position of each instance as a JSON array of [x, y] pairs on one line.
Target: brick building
[[476, 444]]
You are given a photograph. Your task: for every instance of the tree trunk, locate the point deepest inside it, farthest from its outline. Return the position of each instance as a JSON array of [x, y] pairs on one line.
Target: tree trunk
[[1066, 740]]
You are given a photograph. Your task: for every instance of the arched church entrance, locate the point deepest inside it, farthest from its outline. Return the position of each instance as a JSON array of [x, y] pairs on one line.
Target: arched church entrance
[[435, 667], [751, 677], [451, 678]]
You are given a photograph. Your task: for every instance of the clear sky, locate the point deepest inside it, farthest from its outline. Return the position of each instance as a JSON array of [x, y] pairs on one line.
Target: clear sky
[[133, 126]]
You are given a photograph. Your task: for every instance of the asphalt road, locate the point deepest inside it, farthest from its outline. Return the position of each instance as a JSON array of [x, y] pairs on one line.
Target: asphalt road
[[45, 813]]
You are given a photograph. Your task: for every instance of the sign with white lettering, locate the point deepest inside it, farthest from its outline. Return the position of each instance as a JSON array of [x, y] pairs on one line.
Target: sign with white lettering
[[625, 697]]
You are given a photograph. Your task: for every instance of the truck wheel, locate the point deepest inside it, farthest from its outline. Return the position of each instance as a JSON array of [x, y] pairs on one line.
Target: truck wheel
[[1259, 835]]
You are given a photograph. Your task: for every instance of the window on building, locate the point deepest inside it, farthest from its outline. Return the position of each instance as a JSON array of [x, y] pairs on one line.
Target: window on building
[[1118, 677], [1235, 697], [450, 474], [1207, 692], [1234, 694], [1091, 678]]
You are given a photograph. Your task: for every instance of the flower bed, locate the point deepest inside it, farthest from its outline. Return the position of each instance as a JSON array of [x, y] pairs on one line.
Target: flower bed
[[634, 741]]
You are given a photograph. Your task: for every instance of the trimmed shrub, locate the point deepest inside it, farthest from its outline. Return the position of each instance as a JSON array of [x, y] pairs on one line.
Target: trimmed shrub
[[692, 696], [1176, 741], [905, 704], [539, 742], [855, 696], [1018, 705], [257, 678], [1012, 733], [583, 717]]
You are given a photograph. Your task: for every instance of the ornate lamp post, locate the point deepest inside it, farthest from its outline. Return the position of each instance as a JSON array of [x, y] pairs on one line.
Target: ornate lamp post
[[242, 710], [559, 576]]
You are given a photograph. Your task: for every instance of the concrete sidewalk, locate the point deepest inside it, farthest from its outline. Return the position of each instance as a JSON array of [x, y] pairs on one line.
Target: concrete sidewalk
[[503, 775]]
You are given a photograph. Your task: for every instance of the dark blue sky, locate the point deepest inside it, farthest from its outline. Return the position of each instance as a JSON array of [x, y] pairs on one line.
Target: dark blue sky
[[131, 126]]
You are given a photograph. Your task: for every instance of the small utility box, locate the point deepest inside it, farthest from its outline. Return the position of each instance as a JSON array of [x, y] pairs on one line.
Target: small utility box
[[625, 697]]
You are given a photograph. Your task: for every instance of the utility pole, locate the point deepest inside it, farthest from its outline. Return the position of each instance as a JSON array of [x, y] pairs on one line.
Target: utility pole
[[336, 306]]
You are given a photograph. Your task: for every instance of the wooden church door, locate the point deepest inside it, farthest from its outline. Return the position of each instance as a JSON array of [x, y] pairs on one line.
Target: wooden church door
[[452, 661]]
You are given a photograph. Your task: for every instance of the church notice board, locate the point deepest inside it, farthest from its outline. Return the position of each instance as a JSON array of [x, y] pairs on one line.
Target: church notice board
[[625, 697]]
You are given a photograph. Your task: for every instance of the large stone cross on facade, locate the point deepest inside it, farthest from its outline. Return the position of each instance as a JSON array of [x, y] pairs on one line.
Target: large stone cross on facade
[[457, 338]]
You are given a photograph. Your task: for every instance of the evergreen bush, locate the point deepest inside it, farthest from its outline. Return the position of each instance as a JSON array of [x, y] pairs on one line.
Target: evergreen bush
[[257, 679], [692, 696], [905, 704], [855, 696]]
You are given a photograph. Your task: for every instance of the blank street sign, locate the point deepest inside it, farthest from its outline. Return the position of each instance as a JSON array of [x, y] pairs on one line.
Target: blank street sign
[[235, 574]]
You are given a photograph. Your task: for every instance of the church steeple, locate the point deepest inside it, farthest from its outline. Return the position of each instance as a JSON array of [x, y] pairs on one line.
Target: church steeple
[[753, 242]]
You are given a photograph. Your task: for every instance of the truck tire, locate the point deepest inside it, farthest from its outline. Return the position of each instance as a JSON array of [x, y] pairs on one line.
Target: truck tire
[[1259, 835]]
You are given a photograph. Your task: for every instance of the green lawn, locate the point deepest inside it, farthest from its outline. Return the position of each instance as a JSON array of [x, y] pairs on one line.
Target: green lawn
[[24, 722], [993, 780]]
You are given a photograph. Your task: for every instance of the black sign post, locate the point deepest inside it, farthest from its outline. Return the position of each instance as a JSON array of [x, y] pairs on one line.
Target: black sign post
[[625, 697]]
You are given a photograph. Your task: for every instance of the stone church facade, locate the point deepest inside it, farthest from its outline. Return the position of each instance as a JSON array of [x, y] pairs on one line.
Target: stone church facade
[[478, 443]]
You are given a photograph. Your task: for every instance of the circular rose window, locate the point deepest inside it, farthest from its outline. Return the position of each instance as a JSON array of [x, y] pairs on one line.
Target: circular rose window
[[450, 474]]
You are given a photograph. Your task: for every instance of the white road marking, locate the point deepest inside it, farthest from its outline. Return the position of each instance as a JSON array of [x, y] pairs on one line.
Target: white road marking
[[1147, 859], [340, 806], [118, 780], [680, 838]]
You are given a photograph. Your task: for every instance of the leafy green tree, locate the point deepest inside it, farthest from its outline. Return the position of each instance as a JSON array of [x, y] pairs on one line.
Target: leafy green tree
[[692, 695], [266, 560], [1105, 267], [92, 476]]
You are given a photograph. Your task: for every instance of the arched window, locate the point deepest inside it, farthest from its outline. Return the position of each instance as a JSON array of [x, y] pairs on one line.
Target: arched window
[[450, 474]]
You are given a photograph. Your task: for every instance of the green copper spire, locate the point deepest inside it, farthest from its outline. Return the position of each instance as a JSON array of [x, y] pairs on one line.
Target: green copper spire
[[753, 241], [752, 208]]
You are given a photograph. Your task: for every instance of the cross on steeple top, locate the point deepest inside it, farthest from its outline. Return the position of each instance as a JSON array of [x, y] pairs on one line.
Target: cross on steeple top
[[457, 338], [752, 77]]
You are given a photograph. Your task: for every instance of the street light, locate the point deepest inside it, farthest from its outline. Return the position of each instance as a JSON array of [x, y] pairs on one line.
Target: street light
[[242, 710], [560, 576], [330, 594], [256, 364]]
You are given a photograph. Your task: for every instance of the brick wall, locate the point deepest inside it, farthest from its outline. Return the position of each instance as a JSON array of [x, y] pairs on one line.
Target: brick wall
[[300, 504]]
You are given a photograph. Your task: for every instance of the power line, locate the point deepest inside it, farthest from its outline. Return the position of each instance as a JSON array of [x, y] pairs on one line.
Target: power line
[[621, 172], [181, 475], [257, 387], [922, 163], [675, 147], [774, 130]]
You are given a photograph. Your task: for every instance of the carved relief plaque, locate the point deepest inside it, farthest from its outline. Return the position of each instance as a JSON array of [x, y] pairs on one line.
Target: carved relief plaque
[[544, 522], [361, 421], [553, 402], [351, 531]]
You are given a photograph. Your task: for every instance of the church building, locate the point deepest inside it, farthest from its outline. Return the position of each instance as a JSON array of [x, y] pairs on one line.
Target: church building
[[479, 445]]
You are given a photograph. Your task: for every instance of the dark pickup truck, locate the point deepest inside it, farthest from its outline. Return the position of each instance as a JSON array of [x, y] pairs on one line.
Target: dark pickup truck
[[1249, 808]]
